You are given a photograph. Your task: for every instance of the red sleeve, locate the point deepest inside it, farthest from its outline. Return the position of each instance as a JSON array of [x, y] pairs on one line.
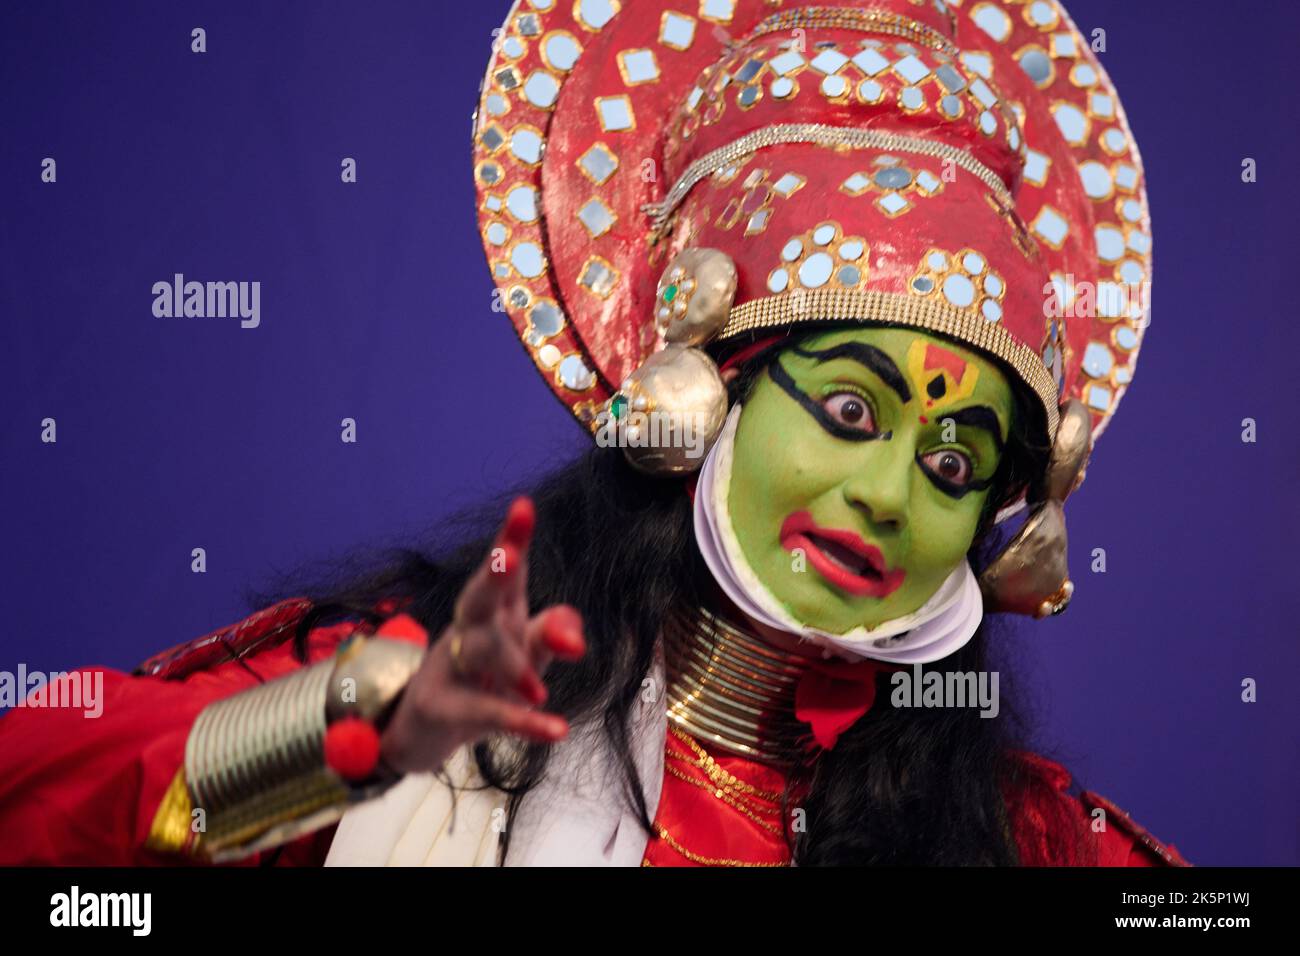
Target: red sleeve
[[1055, 828], [82, 789], [1125, 842]]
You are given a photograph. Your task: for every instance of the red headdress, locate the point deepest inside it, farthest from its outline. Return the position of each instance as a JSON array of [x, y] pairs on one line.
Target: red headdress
[[964, 170]]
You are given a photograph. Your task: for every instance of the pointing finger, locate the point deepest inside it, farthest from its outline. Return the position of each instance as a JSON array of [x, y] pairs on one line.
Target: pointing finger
[[485, 591]]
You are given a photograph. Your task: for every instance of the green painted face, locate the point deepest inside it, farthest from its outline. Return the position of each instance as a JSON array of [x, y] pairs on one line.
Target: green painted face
[[861, 464]]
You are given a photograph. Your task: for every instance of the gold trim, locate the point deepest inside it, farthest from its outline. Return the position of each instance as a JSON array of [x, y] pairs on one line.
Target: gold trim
[[621, 59], [1028, 14], [730, 801], [541, 143], [822, 135], [615, 5], [597, 147], [718, 19], [546, 56], [852, 18], [613, 217], [171, 830], [279, 814], [704, 860], [608, 266], [1051, 65], [663, 22], [825, 305], [1085, 115], [600, 113], [721, 778]]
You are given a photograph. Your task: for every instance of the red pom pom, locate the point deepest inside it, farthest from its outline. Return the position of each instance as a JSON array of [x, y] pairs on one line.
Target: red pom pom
[[403, 627], [352, 748]]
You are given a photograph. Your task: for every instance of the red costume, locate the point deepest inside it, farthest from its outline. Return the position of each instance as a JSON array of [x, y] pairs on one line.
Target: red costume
[[706, 178], [80, 791]]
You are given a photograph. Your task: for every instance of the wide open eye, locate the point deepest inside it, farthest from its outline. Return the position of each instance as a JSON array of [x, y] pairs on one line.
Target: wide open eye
[[851, 410], [949, 466]]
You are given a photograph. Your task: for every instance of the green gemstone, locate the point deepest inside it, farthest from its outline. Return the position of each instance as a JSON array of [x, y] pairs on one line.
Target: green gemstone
[[670, 293], [618, 406]]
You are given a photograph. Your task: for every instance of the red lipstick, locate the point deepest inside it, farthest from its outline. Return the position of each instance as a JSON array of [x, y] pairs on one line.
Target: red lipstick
[[841, 557]]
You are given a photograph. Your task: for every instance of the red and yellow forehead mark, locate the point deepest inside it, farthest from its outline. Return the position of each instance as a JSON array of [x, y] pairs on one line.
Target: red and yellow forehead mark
[[940, 377]]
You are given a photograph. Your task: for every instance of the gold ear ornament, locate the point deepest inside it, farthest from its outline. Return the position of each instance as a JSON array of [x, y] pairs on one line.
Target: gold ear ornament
[[668, 413], [1031, 574]]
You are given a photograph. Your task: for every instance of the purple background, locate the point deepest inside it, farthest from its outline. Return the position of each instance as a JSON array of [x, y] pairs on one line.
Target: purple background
[[183, 433]]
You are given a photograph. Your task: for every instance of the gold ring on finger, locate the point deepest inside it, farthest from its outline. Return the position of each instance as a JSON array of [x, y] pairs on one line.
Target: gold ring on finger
[[457, 665]]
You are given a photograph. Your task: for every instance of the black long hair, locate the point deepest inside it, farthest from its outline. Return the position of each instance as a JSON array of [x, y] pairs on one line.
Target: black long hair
[[902, 786]]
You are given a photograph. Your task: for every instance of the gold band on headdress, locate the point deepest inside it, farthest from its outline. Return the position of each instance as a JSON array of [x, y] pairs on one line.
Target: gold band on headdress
[[821, 135], [855, 18], [804, 306]]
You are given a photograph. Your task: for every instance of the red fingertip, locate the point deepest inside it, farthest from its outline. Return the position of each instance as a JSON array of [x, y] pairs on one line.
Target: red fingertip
[[543, 727], [505, 559], [531, 688], [567, 645], [564, 618], [562, 632], [520, 520]]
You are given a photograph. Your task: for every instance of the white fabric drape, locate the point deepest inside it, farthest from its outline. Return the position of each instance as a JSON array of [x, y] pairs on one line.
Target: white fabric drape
[[577, 816]]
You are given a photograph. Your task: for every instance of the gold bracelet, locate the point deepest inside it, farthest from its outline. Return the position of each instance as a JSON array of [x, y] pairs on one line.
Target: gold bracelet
[[255, 772]]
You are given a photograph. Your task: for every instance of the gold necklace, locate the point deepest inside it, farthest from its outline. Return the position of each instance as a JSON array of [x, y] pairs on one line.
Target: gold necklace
[[730, 689]]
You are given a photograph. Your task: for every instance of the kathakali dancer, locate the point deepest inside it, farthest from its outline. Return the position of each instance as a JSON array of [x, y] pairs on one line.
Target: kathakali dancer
[[840, 291]]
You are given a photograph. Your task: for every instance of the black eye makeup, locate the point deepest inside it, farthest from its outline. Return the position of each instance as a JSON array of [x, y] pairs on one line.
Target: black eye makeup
[[845, 414], [870, 358], [979, 416], [850, 409], [952, 472]]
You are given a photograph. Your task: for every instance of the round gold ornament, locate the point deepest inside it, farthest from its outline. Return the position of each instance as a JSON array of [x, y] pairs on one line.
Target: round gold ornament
[[668, 412], [695, 294]]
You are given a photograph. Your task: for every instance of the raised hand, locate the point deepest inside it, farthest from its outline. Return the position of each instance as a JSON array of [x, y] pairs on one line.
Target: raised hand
[[483, 674]]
